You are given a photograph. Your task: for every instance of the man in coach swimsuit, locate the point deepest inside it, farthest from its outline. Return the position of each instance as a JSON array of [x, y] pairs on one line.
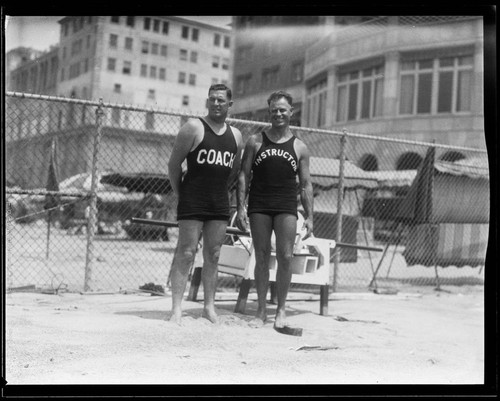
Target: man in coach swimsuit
[[212, 150], [269, 169]]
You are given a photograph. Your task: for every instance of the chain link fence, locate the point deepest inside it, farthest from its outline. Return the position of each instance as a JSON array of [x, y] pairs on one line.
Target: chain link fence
[[78, 171]]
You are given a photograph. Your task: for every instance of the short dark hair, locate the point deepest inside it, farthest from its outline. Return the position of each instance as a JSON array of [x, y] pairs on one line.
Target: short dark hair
[[221, 87], [278, 95]]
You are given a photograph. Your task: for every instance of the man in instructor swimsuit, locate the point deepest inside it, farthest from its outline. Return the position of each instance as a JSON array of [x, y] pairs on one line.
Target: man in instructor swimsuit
[[212, 150], [270, 166]]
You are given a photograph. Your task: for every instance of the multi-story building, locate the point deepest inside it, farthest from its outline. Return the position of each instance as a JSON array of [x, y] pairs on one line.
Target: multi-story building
[[162, 62], [416, 78], [32, 71], [269, 54], [165, 61]]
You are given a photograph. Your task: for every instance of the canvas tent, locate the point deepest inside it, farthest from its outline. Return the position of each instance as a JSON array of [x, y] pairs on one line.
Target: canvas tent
[[325, 174], [446, 227]]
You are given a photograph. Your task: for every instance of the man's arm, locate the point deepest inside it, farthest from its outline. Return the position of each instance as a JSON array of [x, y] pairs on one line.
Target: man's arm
[[244, 181], [306, 189], [237, 160], [182, 146]]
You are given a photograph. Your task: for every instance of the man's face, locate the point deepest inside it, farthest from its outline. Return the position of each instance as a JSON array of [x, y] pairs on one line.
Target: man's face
[[218, 104], [280, 112]]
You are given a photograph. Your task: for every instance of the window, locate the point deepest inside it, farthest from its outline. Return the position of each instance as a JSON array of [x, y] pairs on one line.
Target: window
[[113, 41], [64, 53], [163, 50], [225, 63], [192, 79], [115, 116], [76, 47], [369, 163], [144, 70], [129, 43], [150, 120], [130, 21], [89, 20], [185, 32], [86, 65], [154, 48], [185, 100], [216, 39], [182, 78], [65, 29], [243, 83], [111, 64], [147, 24], [156, 25], [165, 28], [297, 72], [269, 77], [227, 42], [194, 57], [88, 41], [244, 53], [62, 75], [215, 61], [359, 94], [316, 104], [117, 88], [74, 71], [152, 71], [195, 33], [437, 85], [115, 19], [163, 74], [151, 94], [183, 54], [145, 47], [127, 67]]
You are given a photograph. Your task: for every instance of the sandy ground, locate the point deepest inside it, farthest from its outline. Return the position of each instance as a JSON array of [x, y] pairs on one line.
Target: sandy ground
[[417, 337]]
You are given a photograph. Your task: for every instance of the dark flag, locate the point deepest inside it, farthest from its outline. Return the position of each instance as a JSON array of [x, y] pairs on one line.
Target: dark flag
[[52, 201], [416, 208]]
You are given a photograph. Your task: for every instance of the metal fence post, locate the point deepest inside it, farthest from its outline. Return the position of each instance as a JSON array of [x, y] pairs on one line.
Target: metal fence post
[[92, 219], [340, 200]]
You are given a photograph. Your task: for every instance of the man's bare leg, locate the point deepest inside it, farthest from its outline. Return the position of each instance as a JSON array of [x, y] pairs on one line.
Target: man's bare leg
[[214, 232], [285, 227], [261, 226], [185, 252]]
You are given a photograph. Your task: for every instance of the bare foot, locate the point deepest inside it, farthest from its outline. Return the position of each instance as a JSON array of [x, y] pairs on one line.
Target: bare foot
[[280, 320], [261, 315], [175, 317], [256, 323], [210, 315]]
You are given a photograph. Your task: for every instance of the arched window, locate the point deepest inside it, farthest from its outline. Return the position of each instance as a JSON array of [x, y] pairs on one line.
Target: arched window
[[369, 162], [409, 161]]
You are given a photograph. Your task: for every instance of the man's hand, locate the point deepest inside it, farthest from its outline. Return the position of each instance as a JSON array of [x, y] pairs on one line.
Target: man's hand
[[242, 219], [308, 225]]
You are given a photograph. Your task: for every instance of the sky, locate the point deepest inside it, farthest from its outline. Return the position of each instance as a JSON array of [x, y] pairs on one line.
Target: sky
[[41, 32]]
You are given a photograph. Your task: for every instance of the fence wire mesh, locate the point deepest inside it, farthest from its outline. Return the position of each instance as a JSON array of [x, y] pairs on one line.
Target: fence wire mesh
[[78, 171]]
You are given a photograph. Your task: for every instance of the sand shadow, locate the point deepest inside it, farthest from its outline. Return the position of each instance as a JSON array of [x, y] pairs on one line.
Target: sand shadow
[[225, 311]]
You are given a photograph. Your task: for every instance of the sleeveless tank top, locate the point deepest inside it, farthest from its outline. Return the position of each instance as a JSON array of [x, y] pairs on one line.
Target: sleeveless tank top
[[203, 192], [273, 187]]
